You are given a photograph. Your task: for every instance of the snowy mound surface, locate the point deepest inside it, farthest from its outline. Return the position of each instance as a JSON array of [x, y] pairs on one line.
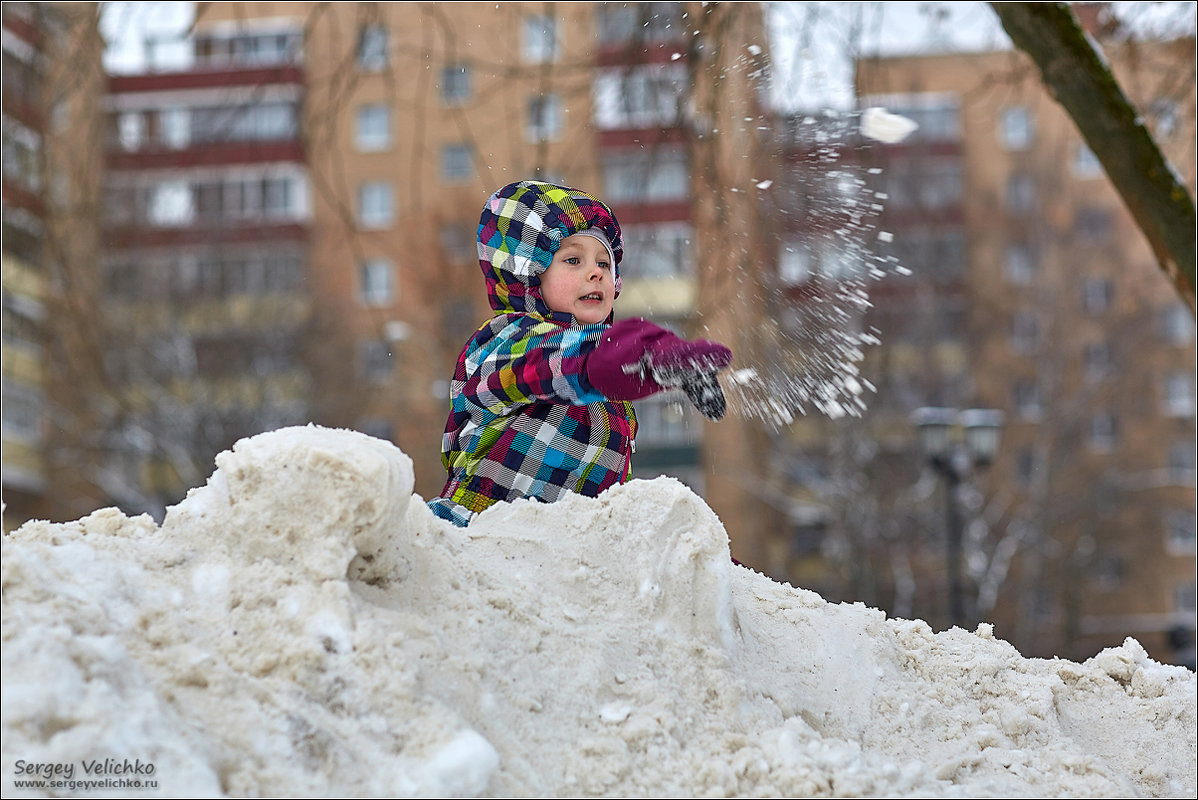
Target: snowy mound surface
[[302, 625]]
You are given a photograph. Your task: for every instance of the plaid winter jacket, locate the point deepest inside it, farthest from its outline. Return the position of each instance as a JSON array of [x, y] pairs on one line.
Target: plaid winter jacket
[[524, 421]]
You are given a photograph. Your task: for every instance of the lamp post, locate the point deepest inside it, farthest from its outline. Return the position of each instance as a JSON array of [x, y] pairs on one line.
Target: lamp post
[[956, 443]]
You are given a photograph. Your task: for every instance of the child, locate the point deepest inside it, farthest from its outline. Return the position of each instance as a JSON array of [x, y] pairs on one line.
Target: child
[[540, 395]]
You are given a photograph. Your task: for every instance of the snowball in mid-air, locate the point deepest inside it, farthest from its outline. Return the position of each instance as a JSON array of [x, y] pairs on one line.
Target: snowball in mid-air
[[880, 124]]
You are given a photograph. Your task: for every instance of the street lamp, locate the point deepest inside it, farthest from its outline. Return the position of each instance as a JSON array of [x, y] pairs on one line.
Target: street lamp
[[955, 443]]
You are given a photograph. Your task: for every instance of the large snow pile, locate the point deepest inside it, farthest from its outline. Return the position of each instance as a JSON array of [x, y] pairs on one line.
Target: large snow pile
[[302, 625]]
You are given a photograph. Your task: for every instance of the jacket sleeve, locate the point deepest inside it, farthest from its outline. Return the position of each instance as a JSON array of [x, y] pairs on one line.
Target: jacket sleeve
[[526, 361]]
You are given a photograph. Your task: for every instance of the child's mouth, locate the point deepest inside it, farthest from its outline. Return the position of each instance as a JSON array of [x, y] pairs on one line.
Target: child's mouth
[[594, 297]]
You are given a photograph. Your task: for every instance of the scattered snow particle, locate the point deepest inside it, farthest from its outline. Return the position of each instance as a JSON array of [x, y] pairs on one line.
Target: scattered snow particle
[[885, 236], [764, 184], [754, 50], [743, 376], [676, 56]]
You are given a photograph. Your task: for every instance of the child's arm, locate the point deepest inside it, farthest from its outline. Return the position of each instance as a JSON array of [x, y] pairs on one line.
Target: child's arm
[[526, 361], [636, 358]]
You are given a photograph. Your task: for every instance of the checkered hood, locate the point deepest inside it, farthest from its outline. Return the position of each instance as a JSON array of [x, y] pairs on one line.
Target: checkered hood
[[521, 228]]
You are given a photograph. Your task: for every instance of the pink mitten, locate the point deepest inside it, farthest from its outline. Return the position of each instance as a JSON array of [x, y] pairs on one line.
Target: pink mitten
[[636, 358]]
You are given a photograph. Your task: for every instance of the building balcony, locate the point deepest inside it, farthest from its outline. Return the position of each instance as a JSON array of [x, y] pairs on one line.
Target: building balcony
[[201, 232], [222, 76], [206, 154]]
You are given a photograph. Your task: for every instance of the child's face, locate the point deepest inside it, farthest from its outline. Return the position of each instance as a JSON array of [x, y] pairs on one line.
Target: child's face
[[580, 281]]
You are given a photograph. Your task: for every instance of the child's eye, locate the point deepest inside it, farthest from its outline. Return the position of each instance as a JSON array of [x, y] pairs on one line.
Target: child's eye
[[574, 260]]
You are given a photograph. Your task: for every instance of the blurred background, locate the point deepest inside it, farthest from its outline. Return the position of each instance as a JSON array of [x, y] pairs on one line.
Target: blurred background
[[963, 388]]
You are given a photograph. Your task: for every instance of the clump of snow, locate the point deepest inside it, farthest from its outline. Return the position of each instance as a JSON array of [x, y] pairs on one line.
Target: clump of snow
[[302, 625], [880, 124]]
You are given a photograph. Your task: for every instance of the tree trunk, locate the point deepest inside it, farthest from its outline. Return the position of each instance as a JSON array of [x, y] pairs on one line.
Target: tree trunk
[[726, 161]]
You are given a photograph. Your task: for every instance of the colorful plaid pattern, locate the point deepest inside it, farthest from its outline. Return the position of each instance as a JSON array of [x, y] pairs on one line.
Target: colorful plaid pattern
[[524, 421]]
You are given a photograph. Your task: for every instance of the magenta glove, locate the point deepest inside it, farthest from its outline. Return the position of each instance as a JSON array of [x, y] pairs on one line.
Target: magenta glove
[[636, 358]]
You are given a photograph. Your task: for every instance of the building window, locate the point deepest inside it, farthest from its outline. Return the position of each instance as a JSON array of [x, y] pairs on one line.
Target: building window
[[1025, 332], [1021, 193], [540, 39], [23, 408], [1177, 325], [1184, 600], [1085, 164], [259, 49], [1109, 573], [544, 118], [372, 128], [1179, 395], [1092, 225], [1104, 432], [639, 22], [1019, 264], [1043, 606], [457, 163], [1027, 400], [458, 243], [1097, 294], [926, 184], [376, 205], [646, 176], [455, 84], [278, 198], [1015, 128], [640, 97], [935, 254], [374, 361], [22, 156], [171, 204], [174, 128], [663, 422], [264, 121], [658, 251], [1181, 463], [241, 200], [1179, 531], [22, 326], [940, 185], [372, 48], [1027, 466], [376, 283], [131, 130], [1097, 358]]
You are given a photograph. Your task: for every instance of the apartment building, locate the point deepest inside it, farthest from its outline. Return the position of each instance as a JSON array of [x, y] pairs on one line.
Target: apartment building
[[1033, 293], [24, 269], [205, 215]]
